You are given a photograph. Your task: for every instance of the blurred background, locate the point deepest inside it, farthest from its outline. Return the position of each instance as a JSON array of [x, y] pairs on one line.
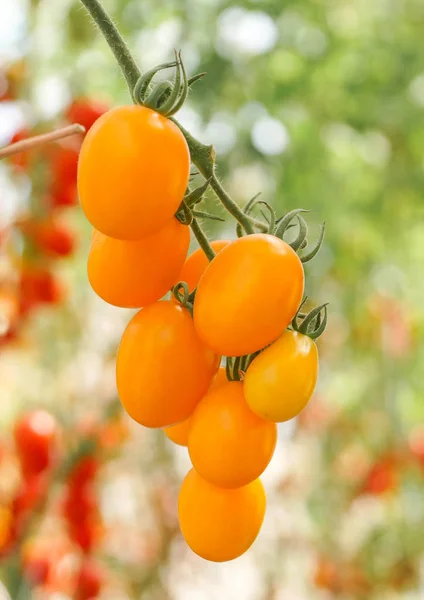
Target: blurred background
[[316, 104]]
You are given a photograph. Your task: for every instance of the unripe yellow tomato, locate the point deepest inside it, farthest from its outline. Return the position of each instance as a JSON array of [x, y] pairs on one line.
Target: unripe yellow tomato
[[280, 381]]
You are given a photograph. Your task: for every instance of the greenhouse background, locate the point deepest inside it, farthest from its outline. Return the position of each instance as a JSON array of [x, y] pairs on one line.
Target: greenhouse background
[[317, 104]]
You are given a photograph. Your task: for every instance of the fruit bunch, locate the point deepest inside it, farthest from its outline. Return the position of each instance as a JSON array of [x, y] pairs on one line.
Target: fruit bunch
[[237, 302], [33, 242]]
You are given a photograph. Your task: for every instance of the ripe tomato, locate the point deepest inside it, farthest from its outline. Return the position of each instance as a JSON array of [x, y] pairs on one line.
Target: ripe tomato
[[280, 381], [196, 264], [162, 367], [132, 274], [179, 433], [80, 504], [50, 236], [383, 477], [85, 111], [218, 524], [90, 580], [248, 295], [84, 471], [36, 436], [64, 167], [133, 172], [229, 445], [38, 286], [86, 534]]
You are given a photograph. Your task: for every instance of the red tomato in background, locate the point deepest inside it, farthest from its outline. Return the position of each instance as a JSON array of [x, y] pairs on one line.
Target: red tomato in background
[[90, 580], [86, 111], [36, 439]]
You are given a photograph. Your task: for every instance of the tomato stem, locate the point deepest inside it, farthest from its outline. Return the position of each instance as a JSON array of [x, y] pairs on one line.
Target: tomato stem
[[202, 239], [202, 156], [111, 34], [39, 140]]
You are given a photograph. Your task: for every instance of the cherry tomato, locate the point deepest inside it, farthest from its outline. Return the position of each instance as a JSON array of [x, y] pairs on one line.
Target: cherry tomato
[[84, 471], [38, 286], [229, 445], [383, 477], [133, 172], [80, 504], [90, 580], [280, 381], [85, 111], [220, 525], [64, 167], [36, 436], [132, 274], [86, 534], [50, 236], [179, 433], [248, 295], [162, 367], [196, 264]]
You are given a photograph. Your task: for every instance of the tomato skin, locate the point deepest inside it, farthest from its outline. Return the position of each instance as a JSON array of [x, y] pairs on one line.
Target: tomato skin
[[132, 274], [90, 580], [179, 433], [228, 444], [133, 172], [196, 264], [36, 441], [248, 295], [280, 381], [220, 525], [162, 367]]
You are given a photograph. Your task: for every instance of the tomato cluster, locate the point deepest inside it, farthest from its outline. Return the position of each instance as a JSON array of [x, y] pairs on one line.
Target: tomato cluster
[[34, 241], [132, 177]]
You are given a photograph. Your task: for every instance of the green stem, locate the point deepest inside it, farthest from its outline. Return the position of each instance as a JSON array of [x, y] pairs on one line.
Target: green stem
[[202, 156], [126, 62], [202, 239]]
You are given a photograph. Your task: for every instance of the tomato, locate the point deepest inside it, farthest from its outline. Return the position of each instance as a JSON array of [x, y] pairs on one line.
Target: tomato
[[28, 498], [85, 111], [133, 172], [84, 471], [248, 295], [86, 533], [21, 160], [38, 286], [196, 264], [228, 444], [6, 529], [131, 274], [64, 167], [90, 580], [50, 236], [280, 381], [80, 503], [163, 369], [179, 433], [36, 436], [383, 477], [220, 525]]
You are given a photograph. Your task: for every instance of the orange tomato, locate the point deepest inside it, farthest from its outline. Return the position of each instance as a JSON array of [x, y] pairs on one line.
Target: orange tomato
[[179, 433], [131, 274], [220, 525], [133, 172], [280, 381], [162, 367], [196, 264], [229, 445], [248, 295]]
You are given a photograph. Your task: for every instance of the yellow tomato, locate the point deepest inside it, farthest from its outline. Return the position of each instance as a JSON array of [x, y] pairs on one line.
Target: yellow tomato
[[280, 381], [220, 525]]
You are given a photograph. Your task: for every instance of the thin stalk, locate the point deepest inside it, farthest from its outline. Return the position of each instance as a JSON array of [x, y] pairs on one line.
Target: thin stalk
[[122, 54], [202, 239], [39, 140]]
